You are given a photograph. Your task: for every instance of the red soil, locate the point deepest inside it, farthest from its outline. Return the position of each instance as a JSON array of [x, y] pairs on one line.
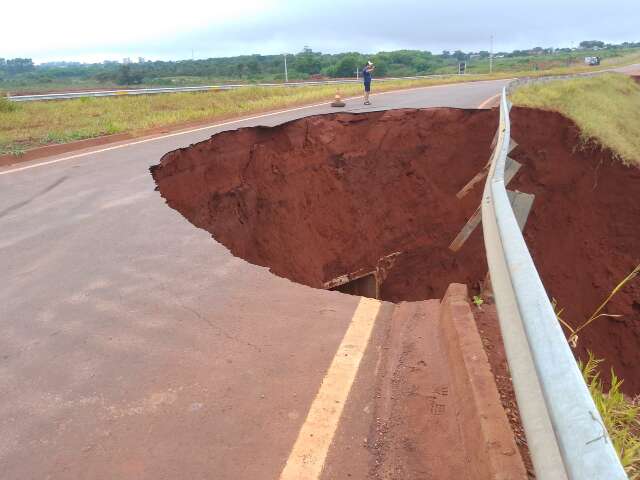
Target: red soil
[[489, 329], [326, 195], [583, 233]]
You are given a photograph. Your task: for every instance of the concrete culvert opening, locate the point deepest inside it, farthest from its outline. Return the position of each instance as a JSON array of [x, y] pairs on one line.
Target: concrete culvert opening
[[350, 195]]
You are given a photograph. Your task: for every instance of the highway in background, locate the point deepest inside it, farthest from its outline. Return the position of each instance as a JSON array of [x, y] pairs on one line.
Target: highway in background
[[204, 88]]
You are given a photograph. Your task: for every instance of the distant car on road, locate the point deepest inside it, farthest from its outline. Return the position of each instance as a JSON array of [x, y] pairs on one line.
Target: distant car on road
[[592, 60]]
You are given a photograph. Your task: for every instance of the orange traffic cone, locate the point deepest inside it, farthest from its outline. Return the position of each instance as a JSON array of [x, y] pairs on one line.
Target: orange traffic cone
[[337, 101]]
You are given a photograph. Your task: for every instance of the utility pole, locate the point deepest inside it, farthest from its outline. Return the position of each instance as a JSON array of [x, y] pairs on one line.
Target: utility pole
[[286, 74], [491, 56]]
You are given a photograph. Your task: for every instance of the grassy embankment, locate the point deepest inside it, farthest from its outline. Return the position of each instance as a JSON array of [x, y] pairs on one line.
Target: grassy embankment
[[605, 108], [28, 125]]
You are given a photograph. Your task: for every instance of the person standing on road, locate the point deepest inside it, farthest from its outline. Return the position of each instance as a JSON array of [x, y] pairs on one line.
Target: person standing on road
[[366, 76]]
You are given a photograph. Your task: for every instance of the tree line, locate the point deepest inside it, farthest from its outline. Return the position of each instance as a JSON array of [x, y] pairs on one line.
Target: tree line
[[303, 65]]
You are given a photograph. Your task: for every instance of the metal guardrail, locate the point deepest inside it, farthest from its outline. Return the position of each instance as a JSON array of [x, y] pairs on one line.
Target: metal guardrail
[[203, 88], [565, 433]]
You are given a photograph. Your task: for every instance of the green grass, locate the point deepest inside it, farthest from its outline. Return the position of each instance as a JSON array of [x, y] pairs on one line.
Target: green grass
[[33, 124], [605, 108], [620, 414]]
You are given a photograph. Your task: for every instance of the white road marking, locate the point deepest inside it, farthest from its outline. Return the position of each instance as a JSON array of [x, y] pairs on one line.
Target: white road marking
[[230, 122], [309, 453]]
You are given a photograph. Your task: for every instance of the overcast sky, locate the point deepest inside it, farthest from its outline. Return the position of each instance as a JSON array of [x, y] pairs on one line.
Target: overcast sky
[[86, 31]]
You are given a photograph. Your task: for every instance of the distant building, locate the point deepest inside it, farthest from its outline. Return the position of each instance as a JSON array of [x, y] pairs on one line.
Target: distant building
[[126, 60], [141, 60]]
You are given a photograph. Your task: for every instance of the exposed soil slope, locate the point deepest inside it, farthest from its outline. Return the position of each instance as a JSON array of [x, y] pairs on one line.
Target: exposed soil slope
[[583, 233], [323, 196]]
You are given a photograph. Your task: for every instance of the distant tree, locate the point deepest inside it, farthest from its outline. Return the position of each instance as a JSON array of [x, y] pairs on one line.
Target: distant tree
[[308, 61], [103, 77], [346, 66], [258, 67], [17, 65], [382, 68], [591, 44], [126, 76], [460, 55], [421, 65], [253, 67]]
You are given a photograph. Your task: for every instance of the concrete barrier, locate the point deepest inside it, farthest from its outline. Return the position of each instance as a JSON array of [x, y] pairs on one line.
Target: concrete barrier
[[488, 436]]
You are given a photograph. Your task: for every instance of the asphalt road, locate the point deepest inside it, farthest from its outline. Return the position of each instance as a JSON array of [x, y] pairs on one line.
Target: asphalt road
[[132, 345]]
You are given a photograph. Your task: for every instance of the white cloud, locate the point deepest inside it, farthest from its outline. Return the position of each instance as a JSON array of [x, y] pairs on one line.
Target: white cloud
[[51, 28], [72, 29]]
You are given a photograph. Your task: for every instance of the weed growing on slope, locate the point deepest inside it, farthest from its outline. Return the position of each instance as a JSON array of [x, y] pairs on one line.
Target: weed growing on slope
[[621, 415], [573, 335]]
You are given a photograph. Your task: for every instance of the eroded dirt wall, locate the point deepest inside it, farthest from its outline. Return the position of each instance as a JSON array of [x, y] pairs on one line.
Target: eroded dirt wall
[[326, 195]]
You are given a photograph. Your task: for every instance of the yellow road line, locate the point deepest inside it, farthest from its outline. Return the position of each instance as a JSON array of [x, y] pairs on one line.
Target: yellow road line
[[489, 100], [310, 450]]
